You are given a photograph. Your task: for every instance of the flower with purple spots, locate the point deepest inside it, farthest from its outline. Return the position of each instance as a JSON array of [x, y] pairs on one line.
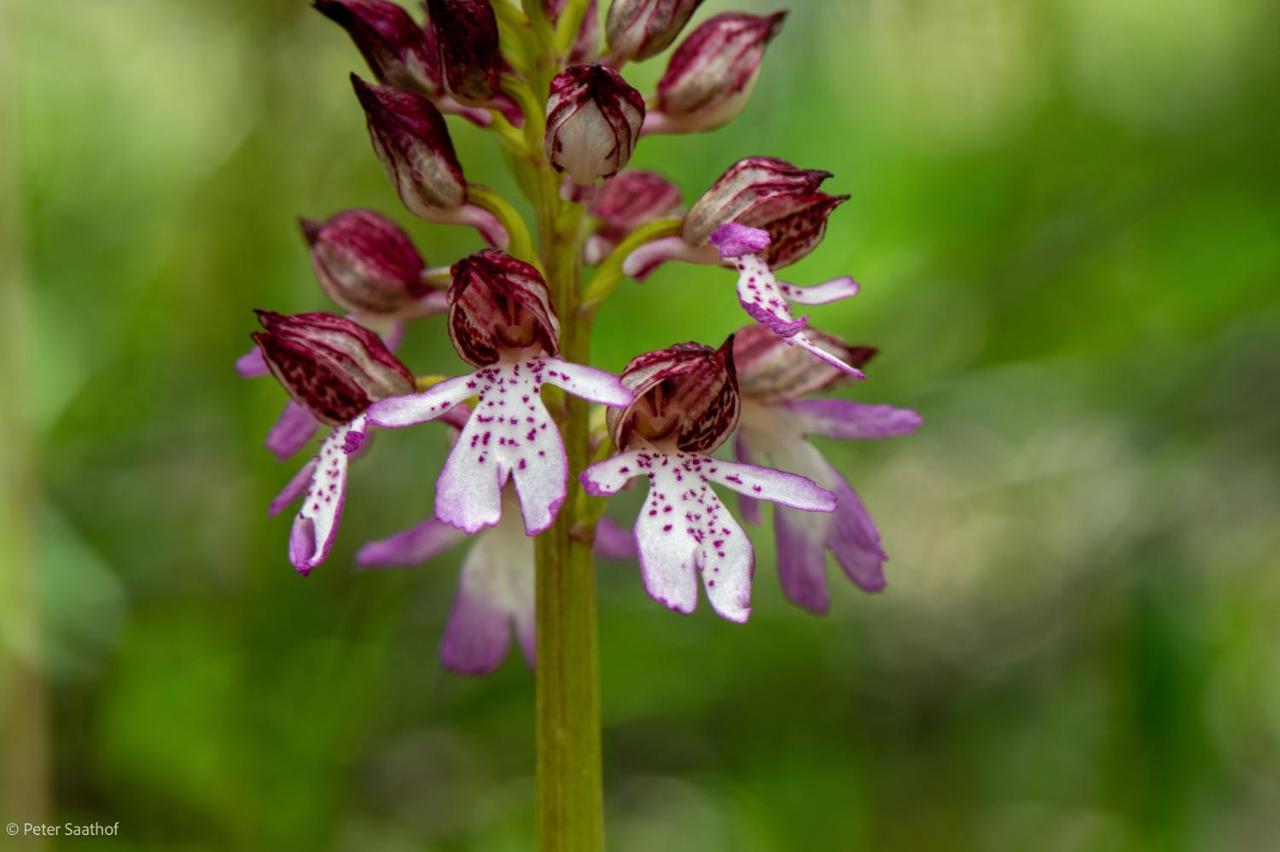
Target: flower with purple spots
[[775, 421], [767, 300], [334, 369], [686, 405], [501, 320]]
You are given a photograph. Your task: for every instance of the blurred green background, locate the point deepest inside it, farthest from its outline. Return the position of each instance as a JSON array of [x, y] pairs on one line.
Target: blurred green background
[[1066, 220]]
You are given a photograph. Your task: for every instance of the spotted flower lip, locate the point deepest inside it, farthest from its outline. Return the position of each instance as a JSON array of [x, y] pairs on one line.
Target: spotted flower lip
[[641, 29], [771, 369], [333, 367], [685, 398], [712, 73], [366, 263], [766, 299], [499, 304], [412, 142], [593, 121], [467, 36], [625, 203], [502, 320]]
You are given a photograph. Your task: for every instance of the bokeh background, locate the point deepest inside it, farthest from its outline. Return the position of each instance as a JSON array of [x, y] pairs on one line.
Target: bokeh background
[[1066, 220]]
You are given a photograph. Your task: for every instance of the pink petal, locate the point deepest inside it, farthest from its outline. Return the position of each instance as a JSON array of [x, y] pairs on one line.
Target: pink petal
[[410, 547], [496, 589], [613, 542], [820, 294], [295, 489], [587, 382], [641, 263], [776, 486], [251, 364], [735, 241], [400, 411], [612, 475], [838, 418], [291, 432], [802, 559], [854, 540]]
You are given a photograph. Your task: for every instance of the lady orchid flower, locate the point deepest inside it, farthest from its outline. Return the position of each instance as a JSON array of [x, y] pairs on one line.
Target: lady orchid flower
[[370, 267], [335, 369], [501, 320], [686, 405], [765, 298], [772, 378]]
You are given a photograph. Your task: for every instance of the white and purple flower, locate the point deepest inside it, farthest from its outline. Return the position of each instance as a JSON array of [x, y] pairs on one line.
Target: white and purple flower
[[370, 267], [593, 123], [334, 369], [501, 320], [774, 424], [686, 405], [767, 300]]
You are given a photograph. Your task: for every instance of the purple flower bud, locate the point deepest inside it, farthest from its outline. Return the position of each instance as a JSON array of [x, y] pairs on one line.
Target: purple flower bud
[[712, 73], [331, 365], [398, 51], [686, 399], [467, 34], [365, 262], [412, 141], [769, 194], [771, 369], [639, 29], [625, 203], [500, 306], [586, 46], [593, 120]]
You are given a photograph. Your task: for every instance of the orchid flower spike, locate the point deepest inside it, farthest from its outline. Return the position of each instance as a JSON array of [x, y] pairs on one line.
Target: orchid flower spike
[[625, 203], [501, 320], [711, 74], [686, 405], [765, 298], [759, 192], [335, 369], [775, 419], [411, 140], [370, 267]]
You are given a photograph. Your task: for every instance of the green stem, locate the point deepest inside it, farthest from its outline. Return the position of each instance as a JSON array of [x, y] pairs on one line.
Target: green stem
[[609, 273], [570, 798]]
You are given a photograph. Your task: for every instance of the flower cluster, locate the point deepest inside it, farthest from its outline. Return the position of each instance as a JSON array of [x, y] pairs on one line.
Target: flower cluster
[[568, 133]]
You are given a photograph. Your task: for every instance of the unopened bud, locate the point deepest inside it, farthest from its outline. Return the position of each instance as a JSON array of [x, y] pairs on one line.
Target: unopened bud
[[712, 73], [769, 194], [625, 203], [366, 263], [586, 45], [466, 32], [330, 365], [412, 141], [500, 306], [686, 398], [398, 51], [593, 120], [640, 29]]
